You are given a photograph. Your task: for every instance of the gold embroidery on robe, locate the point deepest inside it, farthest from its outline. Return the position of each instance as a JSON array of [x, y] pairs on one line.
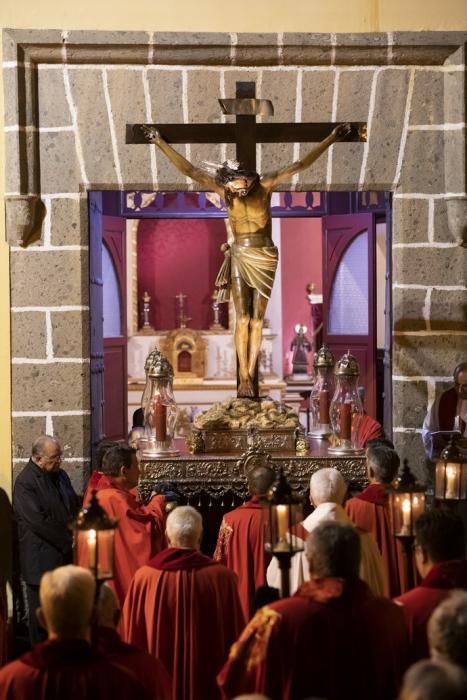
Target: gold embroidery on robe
[[225, 533], [252, 643]]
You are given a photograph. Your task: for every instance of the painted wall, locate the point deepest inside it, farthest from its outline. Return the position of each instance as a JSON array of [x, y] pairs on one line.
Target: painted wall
[[301, 262], [203, 15]]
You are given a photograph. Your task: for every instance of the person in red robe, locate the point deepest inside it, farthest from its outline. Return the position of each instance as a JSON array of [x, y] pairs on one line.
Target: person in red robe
[[333, 639], [66, 666], [97, 474], [448, 412], [240, 543], [139, 534], [447, 630], [440, 559], [149, 670], [184, 609], [371, 512]]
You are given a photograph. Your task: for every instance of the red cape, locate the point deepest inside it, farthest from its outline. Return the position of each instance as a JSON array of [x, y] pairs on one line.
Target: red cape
[[71, 670], [187, 617], [151, 672], [369, 430], [371, 512], [139, 535], [240, 546], [353, 645], [420, 602]]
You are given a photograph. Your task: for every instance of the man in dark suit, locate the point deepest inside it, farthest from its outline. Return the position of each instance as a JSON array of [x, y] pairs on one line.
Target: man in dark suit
[[44, 503]]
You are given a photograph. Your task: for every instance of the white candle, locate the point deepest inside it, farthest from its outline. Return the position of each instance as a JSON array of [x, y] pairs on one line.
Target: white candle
[[282, 513], [451, 481], [92, 541], [406, 508]]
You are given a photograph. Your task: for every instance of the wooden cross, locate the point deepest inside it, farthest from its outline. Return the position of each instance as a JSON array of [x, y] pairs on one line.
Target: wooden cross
[[245, 132]]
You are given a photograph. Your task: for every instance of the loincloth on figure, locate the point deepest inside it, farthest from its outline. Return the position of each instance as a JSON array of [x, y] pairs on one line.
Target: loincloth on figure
[[255, 266]]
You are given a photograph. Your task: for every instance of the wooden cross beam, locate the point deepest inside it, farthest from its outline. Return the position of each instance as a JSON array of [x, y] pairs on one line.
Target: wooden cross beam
[[245, 132]]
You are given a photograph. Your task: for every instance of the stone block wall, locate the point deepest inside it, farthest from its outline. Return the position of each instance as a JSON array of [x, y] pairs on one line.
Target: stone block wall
[[68, 96]]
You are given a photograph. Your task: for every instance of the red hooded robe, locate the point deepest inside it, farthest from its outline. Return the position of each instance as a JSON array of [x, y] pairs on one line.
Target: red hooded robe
[[184, 609], [333, 639], [240, 546], [420, 602]]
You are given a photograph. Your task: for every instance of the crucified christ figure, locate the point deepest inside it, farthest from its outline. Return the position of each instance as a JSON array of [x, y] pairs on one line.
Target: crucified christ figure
[[250, 262]]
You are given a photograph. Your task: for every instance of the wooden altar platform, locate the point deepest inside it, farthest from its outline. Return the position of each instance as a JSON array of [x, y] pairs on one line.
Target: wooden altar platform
[[219, 474]]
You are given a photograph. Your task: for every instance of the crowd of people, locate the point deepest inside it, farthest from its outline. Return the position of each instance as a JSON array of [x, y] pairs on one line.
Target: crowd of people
[[176, 624]]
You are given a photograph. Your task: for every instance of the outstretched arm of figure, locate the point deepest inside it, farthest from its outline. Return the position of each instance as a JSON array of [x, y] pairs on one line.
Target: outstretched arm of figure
[[270, 182], [182, 164]]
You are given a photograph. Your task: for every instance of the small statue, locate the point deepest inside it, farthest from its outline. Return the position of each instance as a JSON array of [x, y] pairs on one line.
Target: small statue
[[301, 346], [195, 442], [301, 443]]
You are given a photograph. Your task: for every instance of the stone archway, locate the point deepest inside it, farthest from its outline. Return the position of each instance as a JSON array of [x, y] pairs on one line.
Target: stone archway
[[68, 96]]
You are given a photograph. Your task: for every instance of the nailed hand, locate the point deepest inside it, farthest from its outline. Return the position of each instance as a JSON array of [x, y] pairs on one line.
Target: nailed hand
[[342, 131], [151, 134]]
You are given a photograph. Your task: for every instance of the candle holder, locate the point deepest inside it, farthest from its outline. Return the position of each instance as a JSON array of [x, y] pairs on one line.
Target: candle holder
[[94, 541], [346, 410], [283, 510], [321, 393], [159, 406], [216, 324], [146, 328], [451, 473], [407, 498]]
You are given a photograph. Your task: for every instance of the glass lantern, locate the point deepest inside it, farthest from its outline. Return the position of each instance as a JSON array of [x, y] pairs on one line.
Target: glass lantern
[[322, 392], [346, 410], [94, 540], [284, 510], [451, 473], [159, 406], [407, 502]]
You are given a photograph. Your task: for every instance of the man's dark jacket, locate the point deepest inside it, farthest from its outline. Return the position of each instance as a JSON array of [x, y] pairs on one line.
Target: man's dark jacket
[[44, 504]]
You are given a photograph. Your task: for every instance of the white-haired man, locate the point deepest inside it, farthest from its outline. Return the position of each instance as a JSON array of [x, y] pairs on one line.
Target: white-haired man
[[184, 609], [66, 666], [327, 493], [333, 639]]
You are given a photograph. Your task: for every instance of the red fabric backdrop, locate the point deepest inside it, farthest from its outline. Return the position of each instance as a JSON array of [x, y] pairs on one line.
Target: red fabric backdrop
[[301, 245], [180, 255]]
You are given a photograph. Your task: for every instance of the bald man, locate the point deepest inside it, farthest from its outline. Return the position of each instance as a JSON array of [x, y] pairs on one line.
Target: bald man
[[66, 666], [44, 504], [327, 493], [184, 609], [240, 543]]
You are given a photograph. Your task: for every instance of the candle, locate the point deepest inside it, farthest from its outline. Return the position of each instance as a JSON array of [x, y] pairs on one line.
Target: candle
[[282, 518], [346, 420], [160, 419], [324, 407], [92, 542], [451, 474], [406, 511]]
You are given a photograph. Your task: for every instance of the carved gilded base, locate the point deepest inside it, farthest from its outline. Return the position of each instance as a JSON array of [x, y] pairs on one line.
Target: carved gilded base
[[236, 440], [216, 475]]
